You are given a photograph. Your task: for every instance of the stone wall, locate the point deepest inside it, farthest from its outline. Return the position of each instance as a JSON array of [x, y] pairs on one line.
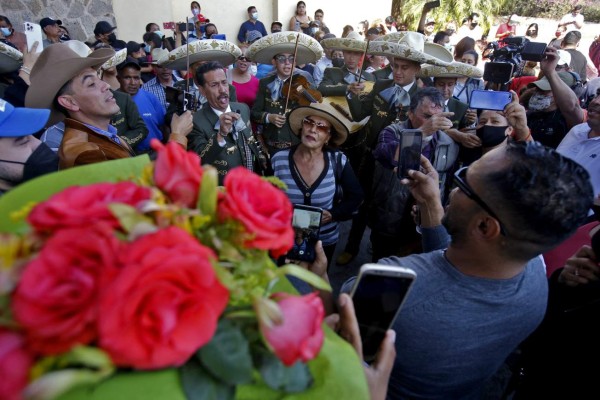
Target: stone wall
[[78, 16]]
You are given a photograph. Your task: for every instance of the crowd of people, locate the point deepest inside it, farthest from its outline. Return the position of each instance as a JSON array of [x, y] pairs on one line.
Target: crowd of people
[[498, 187]]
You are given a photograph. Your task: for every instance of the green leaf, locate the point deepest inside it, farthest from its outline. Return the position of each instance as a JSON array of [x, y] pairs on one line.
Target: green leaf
[[207, 199], [131, 219], [296, 378], [227, 355], [199, 384], [305, 275]]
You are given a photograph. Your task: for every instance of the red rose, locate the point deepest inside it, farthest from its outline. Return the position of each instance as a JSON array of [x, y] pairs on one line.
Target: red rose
[[15, 362], [165, 303], [300, 335], [56, 301], [264, 210], [177, 173], [81, 206]]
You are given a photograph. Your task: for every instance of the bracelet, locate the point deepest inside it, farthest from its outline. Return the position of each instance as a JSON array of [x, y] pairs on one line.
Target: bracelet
[[25, 69]]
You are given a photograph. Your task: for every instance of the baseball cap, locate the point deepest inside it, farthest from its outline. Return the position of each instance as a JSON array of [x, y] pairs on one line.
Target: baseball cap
[[544, 84], [252, 36], [103, 27], [129, 62], [21, 121], [429, 21], [133, 47], [49, 21]]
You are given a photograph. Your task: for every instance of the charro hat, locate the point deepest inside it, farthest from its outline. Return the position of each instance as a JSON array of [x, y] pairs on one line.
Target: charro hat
[[10, 58], [434, 53], [115, 60], [158, 56], [57, 65], [267, 47], [79, 47], [324, 110], [352, 42], [20, 121], [454, 70], [221, 51]]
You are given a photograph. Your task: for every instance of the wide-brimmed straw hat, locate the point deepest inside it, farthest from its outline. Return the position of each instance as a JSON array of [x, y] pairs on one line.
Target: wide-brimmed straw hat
[[352, 42], [57, 65], [79, 47], [324, 110], [267, 47], [414, 48], [221, 51], [454, 70], [10, 58], [115, 60]]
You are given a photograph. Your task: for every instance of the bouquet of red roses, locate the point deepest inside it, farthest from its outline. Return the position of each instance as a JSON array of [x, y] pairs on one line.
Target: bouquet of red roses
[[169, 273]]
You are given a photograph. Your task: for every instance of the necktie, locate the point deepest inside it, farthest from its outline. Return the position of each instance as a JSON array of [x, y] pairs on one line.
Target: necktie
[[400, 97], [275, 93]]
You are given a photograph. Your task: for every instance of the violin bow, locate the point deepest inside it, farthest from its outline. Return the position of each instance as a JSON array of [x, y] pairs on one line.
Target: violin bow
[[363, 58], [287, 99], [187, 56]]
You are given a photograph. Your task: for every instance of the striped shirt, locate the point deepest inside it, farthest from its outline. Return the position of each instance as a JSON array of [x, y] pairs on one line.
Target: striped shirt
[[320, 194]]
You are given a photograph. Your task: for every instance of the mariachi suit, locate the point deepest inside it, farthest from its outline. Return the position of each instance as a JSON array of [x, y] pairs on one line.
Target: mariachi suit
[[275, 138], [203, 140], [335, 84], [384, 73]]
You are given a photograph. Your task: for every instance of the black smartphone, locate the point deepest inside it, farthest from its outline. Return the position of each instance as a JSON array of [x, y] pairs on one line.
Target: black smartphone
[[432, 4], [378, 295], [498, 72], [489, 100], [190, 27], [533, 51], [409, 152], [306, 221]]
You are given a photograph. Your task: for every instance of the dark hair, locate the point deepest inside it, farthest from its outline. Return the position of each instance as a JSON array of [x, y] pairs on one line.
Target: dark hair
[[474, 54], [572, 37], [373, 31], [152, 37], [300, 3], [464, 44], [5, 19], [250, 8], [319, 11], [439, 37], [205, 68], [196, 3], [542, 196], [211, 24], [149, 26], [577, 7], [65, 89], [347, 29], [431, 93], [276, 23], [537, 29], [473, 15]]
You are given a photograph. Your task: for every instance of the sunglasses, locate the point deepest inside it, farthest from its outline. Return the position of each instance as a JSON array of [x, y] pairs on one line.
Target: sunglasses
[[244, 58], [281, 59], [460, 178], [321, 128]]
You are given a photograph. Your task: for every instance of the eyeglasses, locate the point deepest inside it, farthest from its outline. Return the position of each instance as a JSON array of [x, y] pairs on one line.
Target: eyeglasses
[[243, 58], [321, 128], [460, 178], [281, 59]]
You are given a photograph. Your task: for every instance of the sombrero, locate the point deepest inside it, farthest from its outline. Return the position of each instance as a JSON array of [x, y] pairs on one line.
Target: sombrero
[[267, 47], [454, 70], [57, 65], [352, 42], [10, 58], [115, 60], [158, 56], [425, 53], [221, 51], [79, 47], [324, 110]]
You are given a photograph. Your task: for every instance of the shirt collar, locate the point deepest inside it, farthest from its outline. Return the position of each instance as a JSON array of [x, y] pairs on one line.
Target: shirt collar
[[218, 112], [112, 131]]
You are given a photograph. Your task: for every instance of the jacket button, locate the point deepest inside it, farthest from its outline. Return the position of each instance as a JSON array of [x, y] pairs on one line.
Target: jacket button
[[307, 194]]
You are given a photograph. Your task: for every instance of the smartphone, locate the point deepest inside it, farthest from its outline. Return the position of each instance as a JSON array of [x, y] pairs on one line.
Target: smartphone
[[169, 25], [533, 51], [190, 27], [433, 4], [378, 295], [33, 32], [306, 222], [489, 100], [498, 72], [410, 152]]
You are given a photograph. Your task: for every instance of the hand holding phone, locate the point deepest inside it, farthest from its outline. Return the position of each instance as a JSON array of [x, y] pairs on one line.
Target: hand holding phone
[[409, 153], [169, 25], [489, 100], [306, 222], [33, 33], [378, 295]]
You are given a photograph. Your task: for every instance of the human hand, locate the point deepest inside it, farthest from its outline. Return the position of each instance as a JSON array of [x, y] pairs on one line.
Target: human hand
[[424, 184], [182, 124], [317, 267], [356, 88], [549, 61], [227, 119], [471, 116], [30, 57], [517, 118], [277, 120], [326, 217], [378, 373], [437, 122], [581, 268], [468, 138]]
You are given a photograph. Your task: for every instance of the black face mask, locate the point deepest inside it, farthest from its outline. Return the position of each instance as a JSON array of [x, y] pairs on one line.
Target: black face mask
[[142, 60], [65, 38], [491, 135], [337, 62], [473, 25], [42, 161], [112, 38]]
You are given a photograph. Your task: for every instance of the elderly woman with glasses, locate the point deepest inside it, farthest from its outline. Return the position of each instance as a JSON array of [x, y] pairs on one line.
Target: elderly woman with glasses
[[314, 171]]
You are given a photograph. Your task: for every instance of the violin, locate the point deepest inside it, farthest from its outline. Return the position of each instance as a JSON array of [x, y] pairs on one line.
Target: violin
[[298, 89]]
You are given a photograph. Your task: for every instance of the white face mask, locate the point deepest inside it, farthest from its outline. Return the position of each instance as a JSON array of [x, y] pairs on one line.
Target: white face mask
[[254, 15], [253, 69], [195, 11], [539, 102]]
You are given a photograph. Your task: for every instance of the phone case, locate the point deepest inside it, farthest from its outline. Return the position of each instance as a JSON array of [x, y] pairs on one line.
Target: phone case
[[306, 222], [410, 152], [33, 32], [489, 100]]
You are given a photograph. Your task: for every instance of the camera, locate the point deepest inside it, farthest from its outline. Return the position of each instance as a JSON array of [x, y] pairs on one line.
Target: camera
[[507, 57]]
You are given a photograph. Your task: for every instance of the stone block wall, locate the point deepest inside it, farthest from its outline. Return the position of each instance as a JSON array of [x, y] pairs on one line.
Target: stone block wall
[[78, 16]]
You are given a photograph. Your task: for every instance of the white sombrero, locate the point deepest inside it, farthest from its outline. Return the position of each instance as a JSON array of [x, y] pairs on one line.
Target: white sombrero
[[324, 110], [352, 42], [267, 47], [454, 70], [10, 58], [221, 51], [159, 56], [115, 60], [79, 47], [425, 53]]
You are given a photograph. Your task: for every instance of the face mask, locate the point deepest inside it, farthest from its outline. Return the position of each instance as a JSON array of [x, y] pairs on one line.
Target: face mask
[[112, 38], [314, 30], [195, 11], [338, 62], [275, 31], [147, 48], [42, 161], [539, 102], [5, 31], [159, 33], [254, 15], [491, 135], [473, 25], [65, 37], [557, 33]]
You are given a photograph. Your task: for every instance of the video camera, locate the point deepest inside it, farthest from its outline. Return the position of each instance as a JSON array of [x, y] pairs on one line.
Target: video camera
[[507, 57]]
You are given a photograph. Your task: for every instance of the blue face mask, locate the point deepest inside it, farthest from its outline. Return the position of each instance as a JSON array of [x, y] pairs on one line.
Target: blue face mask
[[159, 33], [6, 31], [147, 48]]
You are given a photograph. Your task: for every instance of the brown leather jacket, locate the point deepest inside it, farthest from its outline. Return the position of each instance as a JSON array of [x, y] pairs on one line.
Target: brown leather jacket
[[81, 145]]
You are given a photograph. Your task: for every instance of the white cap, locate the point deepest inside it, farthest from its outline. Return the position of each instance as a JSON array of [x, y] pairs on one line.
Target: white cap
[[565, 57]]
